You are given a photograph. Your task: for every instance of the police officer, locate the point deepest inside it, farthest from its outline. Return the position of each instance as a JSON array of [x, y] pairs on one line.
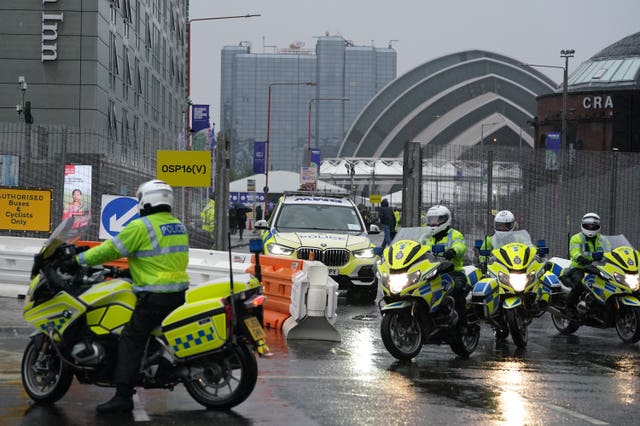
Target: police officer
[[582, 247], [504, 222], [157, 247], [438, 223]]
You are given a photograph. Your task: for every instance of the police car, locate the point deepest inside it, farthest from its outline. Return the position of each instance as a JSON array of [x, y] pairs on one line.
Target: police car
[[326, 228]]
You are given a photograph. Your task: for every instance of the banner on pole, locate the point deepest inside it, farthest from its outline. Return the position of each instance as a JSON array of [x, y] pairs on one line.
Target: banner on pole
[[552, 143], [259, 151]]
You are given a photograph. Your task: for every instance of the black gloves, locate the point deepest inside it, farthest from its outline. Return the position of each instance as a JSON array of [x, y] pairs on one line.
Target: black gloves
[[69, 266], [449, 254], [583, 260]]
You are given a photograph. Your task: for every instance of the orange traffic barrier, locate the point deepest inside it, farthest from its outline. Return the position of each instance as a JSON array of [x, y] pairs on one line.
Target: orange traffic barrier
[[121, 263], [277, 275]]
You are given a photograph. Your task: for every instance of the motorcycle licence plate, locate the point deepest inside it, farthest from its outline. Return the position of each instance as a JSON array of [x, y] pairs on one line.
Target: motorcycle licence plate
[[254, 327]]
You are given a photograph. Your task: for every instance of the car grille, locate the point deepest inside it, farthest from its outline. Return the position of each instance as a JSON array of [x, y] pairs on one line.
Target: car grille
[[330, 257]]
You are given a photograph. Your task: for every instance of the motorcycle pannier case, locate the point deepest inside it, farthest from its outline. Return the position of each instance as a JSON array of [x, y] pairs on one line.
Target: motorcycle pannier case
[[198, 326]]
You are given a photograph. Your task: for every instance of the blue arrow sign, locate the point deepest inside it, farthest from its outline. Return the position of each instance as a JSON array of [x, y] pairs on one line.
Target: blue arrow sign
[[117, 213]]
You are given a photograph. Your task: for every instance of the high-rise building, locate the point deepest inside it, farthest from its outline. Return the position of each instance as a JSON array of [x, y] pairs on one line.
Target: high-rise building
[[113, 65], [345, 78]]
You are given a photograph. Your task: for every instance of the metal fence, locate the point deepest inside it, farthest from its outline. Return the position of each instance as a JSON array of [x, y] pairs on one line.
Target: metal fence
[[548, 197], [34, 157]]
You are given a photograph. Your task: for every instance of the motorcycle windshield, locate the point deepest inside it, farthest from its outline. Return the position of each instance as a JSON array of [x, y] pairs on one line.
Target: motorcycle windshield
[[63, 234], [617, 241], [419, 234], [501, 238]]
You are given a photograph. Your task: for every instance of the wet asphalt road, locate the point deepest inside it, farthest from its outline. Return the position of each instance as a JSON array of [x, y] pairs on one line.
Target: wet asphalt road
[[588, 378]]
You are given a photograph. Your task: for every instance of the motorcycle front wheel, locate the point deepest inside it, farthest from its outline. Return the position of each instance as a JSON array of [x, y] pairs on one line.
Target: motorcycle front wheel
[[401, 334], [517, 326], [564, 325], [628, 324], [223, 381], [45, 377]]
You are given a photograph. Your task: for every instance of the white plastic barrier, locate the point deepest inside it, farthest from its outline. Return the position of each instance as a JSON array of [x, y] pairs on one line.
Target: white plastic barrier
[[314, 301], [16, 260]]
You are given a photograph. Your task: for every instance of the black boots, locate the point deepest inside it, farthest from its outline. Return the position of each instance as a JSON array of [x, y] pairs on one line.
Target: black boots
[[122, 402]]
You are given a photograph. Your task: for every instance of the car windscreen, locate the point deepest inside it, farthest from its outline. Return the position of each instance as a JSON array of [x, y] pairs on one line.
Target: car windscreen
[[319, 217]]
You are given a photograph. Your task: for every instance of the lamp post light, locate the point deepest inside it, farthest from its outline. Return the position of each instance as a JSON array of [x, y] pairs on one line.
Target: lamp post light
[[482, 126], [309, 123], [266, 161]]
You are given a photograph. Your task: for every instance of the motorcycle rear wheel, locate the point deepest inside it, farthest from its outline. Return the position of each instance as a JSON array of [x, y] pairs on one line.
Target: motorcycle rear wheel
[[517, 326], [227, 379], [628, 324], [564, 325], [45, 377], [401, 335]]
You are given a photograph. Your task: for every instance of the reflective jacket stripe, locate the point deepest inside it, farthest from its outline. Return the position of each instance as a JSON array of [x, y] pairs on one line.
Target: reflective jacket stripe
[[160, 288], [156, 250]]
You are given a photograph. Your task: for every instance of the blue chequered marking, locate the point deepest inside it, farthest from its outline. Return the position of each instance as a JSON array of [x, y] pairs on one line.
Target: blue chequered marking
[[610, 287], [194, 339], [57, 324], [598, 292], [482, 288], [557, 269], [425, 289], [630, 301]]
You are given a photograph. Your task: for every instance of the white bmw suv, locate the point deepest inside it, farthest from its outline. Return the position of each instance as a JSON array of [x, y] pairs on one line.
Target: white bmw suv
[[327, 228]]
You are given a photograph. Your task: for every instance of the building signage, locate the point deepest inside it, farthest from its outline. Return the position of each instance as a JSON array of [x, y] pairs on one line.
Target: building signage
[[184, 168], [49, 49], [25, 209], [597, 102]]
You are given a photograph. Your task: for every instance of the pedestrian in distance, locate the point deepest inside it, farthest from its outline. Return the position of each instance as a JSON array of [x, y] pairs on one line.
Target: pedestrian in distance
[[387, 220], [157, 247]]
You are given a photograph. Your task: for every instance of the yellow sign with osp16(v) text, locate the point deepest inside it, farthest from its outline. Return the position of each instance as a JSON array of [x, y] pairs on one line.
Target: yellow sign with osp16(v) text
[[25, 209], [184, 168]]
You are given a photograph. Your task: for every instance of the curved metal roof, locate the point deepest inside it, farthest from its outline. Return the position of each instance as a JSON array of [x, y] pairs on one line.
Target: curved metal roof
[[453, 99], [615, 66]]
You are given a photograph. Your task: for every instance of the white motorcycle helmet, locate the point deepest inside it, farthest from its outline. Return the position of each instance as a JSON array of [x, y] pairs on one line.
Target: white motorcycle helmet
[[154, 193], [438, 219], [504, 221], [590, 225]]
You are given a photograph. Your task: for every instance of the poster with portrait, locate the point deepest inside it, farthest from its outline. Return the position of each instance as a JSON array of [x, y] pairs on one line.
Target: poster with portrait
[[77, 195]]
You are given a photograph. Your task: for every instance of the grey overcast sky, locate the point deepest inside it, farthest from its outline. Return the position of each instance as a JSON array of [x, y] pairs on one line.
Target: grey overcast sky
[[529, 31]]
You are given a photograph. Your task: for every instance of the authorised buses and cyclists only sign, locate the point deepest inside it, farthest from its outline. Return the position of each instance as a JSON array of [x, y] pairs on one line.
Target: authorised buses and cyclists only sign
[[184, 168], [25, 209]]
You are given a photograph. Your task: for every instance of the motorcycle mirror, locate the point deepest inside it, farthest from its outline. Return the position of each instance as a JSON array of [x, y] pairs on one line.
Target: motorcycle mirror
[[541, 243], [485, 252], [477, 244], [378, 251], [543, 250], [256, 245]]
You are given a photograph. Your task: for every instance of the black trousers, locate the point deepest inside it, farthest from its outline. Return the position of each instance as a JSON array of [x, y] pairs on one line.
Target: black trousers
[[460, 291], [151, 309], [573, 277]]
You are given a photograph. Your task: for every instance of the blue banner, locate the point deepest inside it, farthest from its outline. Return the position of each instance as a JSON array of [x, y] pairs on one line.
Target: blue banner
[[315, 157], [259, 150], [246, 197], [552, 143], [199, 117]]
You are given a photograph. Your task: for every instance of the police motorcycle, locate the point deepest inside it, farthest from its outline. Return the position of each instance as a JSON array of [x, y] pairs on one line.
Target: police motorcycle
[[417, 304], [208, 344], [611, 292], [517, 285]]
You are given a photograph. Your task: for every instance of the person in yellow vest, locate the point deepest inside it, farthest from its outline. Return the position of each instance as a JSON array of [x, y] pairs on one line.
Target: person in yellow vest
[[398, 216], [157, 247], [438, 223], [208, 217]]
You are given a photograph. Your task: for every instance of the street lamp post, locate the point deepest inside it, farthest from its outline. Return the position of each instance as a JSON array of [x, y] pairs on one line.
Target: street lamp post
[[266, 162], [482, 126], [215, 18], [309, 123]]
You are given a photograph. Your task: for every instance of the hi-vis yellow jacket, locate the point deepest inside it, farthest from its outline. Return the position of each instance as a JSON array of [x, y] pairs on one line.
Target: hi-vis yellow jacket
[[157, 248]]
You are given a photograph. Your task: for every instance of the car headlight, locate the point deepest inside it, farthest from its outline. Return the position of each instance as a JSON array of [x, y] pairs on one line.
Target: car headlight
[[364, 253], [397, 282], [630, 280], [279, 250]]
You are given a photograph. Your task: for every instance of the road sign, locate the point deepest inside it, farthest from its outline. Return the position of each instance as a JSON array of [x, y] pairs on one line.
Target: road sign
[[116, 212], [375, 198], [25, 209], [184, 168]]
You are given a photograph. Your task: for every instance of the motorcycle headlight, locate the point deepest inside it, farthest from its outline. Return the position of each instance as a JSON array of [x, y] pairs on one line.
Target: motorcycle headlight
[[364, 253], [397, 282], [279, 250], [630, 280], [516, 281]]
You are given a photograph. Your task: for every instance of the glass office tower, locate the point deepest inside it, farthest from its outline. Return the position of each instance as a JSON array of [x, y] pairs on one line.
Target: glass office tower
[[340, 71]]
